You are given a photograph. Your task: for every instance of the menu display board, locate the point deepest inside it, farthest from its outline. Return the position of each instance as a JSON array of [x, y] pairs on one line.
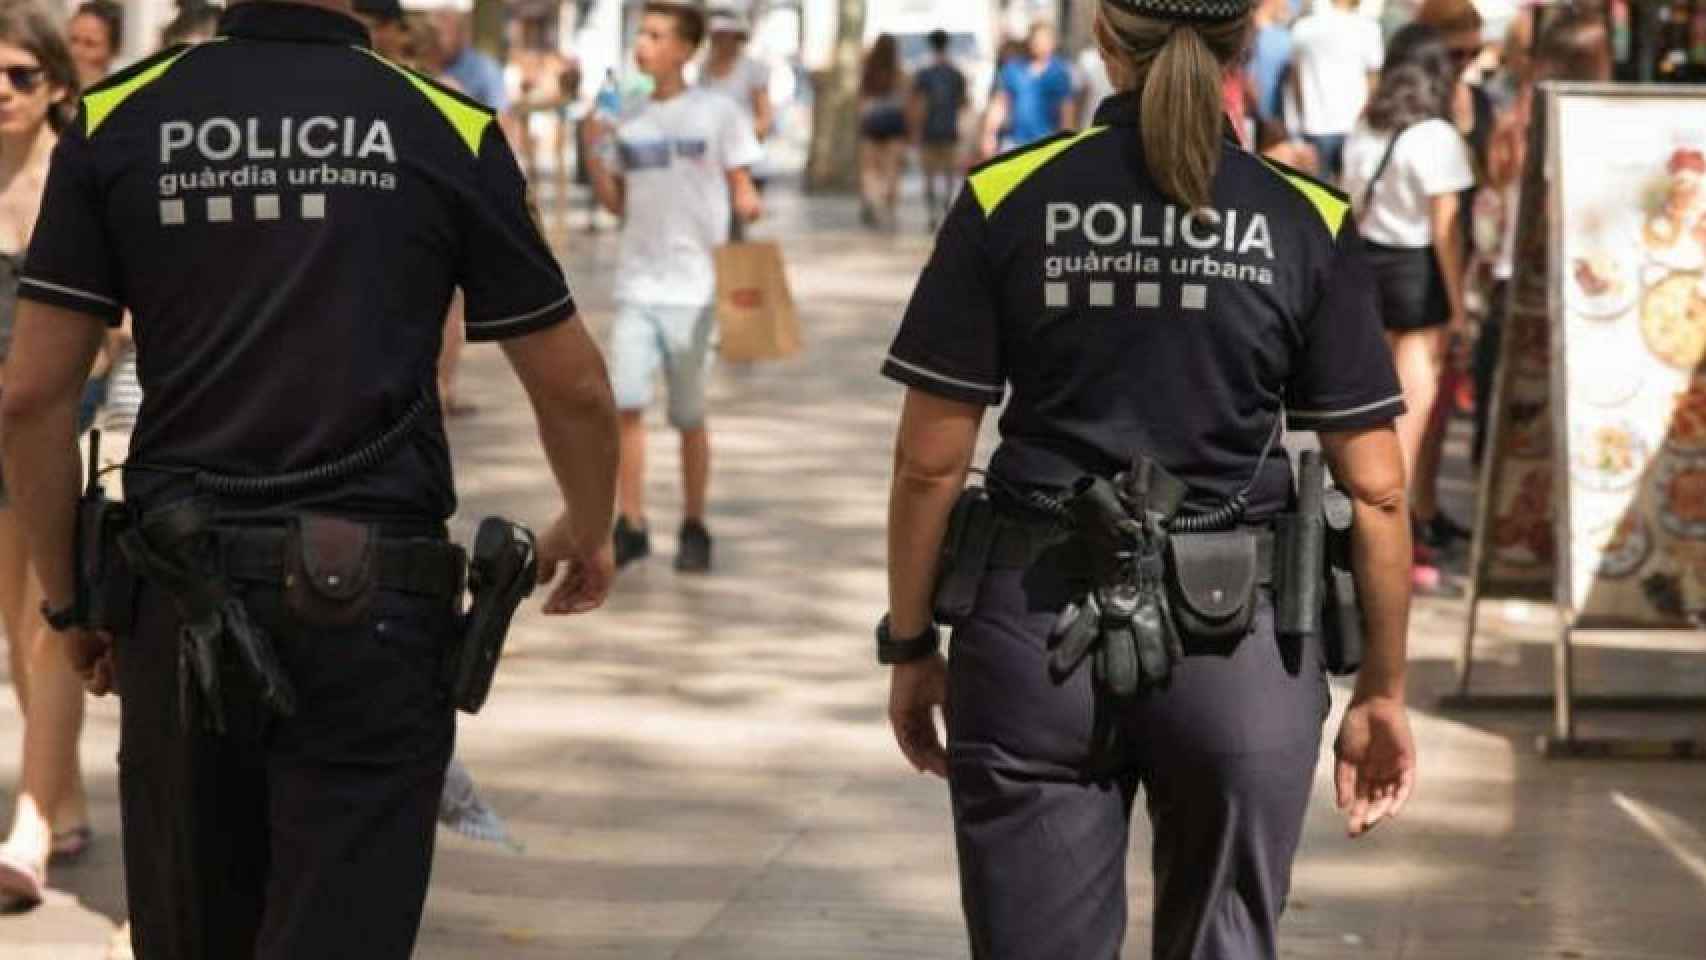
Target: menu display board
[[1628, 354]]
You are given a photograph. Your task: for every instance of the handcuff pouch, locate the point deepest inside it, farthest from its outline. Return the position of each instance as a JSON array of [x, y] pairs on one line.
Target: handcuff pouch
[[1211, 583], [331, 570]]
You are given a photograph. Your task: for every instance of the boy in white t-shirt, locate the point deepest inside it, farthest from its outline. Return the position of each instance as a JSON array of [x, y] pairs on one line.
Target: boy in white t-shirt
[[673, 168]]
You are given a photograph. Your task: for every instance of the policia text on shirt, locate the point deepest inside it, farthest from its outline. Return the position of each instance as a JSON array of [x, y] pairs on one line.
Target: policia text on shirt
[[285, 215]]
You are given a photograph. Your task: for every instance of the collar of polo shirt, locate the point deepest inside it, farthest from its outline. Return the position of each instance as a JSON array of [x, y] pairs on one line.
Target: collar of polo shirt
[[273, 20]]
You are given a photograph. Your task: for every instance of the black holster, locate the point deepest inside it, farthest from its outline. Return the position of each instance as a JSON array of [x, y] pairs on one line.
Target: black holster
[[1315, 586], [964, 556], [502, 572]]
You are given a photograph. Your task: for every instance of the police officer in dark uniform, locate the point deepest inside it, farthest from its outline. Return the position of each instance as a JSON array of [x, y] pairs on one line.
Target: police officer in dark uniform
[[1149, 300], [286, 215]]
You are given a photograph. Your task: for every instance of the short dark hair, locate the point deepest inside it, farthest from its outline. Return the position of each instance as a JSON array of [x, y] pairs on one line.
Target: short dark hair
[[111, 16], [25, 25], [938, 40], [689, 19]]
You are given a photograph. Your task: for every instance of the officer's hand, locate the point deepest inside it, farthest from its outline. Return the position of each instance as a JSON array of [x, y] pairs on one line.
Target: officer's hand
[[1376, 763], [588, 569], [915, 691], [91, 656]]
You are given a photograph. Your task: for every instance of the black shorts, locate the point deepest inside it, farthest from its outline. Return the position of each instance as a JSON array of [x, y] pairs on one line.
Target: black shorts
[[1412, 287]]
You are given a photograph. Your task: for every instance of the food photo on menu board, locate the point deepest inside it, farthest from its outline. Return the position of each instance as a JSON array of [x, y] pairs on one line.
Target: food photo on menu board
[[1629, 313]]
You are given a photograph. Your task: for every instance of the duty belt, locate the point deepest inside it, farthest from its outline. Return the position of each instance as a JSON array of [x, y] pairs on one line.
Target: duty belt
[[1020, 544], [423, 567]]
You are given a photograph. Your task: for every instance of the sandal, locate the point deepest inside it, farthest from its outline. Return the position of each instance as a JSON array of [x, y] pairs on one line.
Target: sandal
[[69, 846], [22, 885]]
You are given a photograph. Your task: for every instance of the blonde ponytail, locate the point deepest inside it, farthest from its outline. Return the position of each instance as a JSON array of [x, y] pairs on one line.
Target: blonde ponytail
[[1179, 68]]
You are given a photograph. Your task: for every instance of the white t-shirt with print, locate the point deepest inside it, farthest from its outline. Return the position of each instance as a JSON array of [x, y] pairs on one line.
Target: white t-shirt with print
[[1333, 51], [674, 156], [1431, 159]]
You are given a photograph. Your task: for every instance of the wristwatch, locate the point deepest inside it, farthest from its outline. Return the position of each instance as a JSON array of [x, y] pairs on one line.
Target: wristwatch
[[62, 620], [892, 650]]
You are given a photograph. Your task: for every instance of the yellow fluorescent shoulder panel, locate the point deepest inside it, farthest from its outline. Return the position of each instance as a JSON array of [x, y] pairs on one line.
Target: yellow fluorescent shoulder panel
[[994, 183], [1331, 208], [98, 106], [470, 123]]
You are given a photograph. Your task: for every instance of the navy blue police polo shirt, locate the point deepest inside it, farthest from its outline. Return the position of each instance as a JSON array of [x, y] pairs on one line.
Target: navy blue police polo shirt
[[1126, 323], [286, 216]]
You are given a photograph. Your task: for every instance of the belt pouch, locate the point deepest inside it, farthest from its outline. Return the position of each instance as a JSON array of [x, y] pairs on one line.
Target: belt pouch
[[331, 570], [1211, 582], [964, 556]]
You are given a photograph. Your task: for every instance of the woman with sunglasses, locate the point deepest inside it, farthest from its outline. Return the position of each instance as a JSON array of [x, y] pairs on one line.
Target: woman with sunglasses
[[38, 93]]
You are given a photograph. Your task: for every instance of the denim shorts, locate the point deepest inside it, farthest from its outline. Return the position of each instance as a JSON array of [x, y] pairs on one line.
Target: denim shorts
[[675, 339]]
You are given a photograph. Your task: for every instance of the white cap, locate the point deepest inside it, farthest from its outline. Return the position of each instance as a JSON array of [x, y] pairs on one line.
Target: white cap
[[723, 20]]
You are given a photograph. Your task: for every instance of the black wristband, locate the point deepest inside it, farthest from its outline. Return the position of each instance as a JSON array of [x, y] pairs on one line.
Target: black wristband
[[62, 620], [892, 651]]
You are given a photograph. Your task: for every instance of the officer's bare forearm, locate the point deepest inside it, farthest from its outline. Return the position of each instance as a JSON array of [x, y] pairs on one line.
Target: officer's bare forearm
[[565, 379], [932, 455], [1369, 465]]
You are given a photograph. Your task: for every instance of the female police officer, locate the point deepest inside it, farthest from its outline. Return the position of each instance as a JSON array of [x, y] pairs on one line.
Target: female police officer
[[1148, 290]]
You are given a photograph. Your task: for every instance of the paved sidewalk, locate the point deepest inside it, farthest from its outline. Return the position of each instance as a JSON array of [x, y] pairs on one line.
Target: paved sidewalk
[[703, 771]]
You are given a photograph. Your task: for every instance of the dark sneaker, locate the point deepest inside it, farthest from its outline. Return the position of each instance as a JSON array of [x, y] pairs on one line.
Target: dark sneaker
[[693, 553], [630, 544]]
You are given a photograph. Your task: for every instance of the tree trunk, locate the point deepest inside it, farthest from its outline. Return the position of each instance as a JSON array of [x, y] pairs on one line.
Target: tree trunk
[[488, 25], [833, 162]]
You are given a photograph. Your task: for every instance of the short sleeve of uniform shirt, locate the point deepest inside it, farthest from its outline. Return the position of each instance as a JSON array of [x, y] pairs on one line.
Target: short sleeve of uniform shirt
[[949, 342], [1343, 377], [507, 272], [71, 263]]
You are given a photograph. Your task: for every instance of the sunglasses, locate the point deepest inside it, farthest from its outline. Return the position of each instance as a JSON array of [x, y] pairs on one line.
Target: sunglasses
[[23, 79]]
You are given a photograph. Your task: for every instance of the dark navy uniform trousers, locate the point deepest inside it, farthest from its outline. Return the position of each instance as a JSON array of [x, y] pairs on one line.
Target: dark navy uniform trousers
[[1225, 757], [308, 837]]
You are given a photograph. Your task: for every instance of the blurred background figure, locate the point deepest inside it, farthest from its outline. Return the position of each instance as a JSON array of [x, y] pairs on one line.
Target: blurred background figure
[[1270, 60], [1033, 96], [474, 73], [1471, 112], [1406, 167], [1336, 53], [94, 35], [939, 101], [388, 26], [882, 132], [38, 94], [196, 22], [728, 70]]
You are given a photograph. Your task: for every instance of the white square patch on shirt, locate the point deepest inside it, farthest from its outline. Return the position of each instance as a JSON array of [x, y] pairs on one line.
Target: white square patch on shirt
[[1056, 296], [1101, 294], [1149, 294], [1194, 297]]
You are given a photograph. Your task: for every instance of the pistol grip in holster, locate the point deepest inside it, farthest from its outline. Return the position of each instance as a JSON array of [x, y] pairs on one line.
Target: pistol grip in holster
[[964, 557], [502, 572]]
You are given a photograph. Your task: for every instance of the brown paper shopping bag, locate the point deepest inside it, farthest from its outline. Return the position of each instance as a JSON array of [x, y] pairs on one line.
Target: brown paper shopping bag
[[755, 310]]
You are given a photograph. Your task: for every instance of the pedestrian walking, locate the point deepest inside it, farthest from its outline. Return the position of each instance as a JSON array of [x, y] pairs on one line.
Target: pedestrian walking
[[285, 214], [50, 812], [939, 101], [882, 132], [1033, 96], [673, 169], [1270, 60], [745, 81], [1336, 55], [1407, 166], [1144, 383]]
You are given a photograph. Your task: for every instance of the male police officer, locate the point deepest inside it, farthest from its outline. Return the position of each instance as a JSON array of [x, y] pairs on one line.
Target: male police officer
[[286, 214]]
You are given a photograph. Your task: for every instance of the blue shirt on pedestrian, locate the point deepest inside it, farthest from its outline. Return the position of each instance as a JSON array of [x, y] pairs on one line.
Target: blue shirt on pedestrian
[[480, 77], [1269, 59], [1035, 98]]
